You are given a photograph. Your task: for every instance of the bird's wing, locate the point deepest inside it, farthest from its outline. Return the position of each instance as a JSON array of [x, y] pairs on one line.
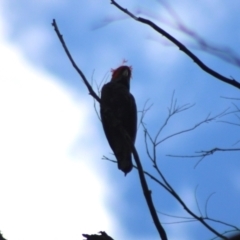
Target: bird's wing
[[117, 99]]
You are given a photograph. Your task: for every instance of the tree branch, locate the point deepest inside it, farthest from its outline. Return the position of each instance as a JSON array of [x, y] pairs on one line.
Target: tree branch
[[204, 67], [60, 37], [147, 195], [173, 110], [204, 153]]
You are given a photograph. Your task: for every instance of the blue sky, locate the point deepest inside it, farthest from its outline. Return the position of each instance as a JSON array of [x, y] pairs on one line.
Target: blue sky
[[54, 183]]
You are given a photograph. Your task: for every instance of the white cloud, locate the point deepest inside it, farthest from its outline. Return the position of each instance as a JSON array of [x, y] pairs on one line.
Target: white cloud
[[32, 35], [46, 192]]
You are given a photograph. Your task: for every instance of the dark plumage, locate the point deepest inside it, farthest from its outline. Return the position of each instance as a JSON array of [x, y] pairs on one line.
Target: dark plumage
[[118, 108]]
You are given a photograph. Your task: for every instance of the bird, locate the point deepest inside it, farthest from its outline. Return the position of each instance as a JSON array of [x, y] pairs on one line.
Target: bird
[[118, 111]]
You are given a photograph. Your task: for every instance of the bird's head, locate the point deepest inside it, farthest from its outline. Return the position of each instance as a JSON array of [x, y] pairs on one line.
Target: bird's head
[[122, 75]]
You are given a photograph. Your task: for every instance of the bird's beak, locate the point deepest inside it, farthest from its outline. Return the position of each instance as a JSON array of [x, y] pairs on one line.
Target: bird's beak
[[126, 73]]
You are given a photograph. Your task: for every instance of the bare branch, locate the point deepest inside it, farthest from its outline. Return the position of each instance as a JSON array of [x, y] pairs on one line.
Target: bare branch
[[231, 123], [144, 111], [60, 37], [184, 221], [183, 48], [98, 86], [200, 219], [236, 143], [206, 205], [191, 213], [230, 98], [212, 151], [195, 195], [169, 188], [222, 52], [223, 223], [206, 120], [174, 216], [235, 237], [147, 136], [174, 109], [147, 194], [205, 153]]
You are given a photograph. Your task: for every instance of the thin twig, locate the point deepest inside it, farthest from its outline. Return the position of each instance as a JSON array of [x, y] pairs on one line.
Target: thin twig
[[204, 153], [174, 216], [231, 98], [206, 120], [184, 221], [223, 223], [195, 195], [206, 205]]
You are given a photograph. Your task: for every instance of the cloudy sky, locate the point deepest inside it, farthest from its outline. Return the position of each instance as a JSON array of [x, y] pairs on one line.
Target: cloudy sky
[[53, 182]]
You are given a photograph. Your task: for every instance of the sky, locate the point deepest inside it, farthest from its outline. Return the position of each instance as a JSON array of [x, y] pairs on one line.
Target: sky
[[54, 183]]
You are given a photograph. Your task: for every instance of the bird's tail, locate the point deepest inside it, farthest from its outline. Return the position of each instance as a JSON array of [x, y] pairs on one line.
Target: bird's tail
[[124, 162], [122, 151]]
